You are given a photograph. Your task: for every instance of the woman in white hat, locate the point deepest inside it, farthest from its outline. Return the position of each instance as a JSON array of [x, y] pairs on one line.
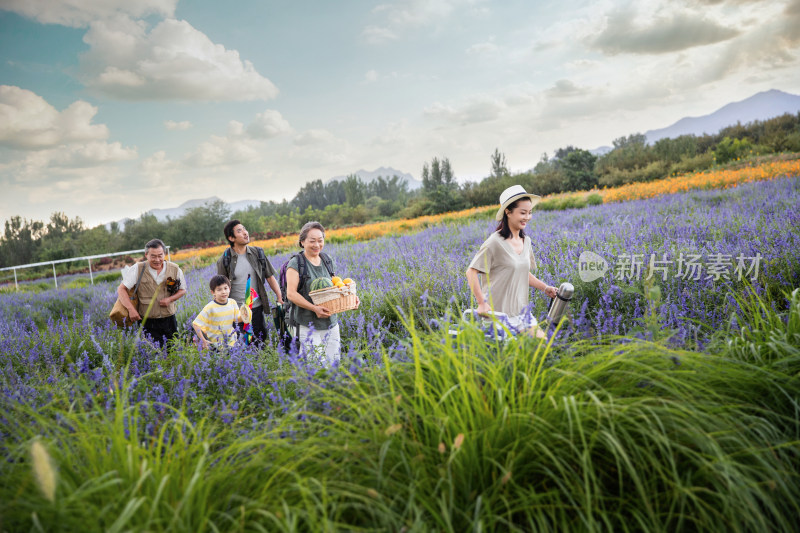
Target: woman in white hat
[[500, 273]]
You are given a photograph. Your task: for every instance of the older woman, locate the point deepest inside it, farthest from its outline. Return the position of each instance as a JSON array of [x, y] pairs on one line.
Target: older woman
[[318, 329], [500, 273]]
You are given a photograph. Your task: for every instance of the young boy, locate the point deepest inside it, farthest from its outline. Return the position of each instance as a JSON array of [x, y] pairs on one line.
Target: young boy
[[214, 324]]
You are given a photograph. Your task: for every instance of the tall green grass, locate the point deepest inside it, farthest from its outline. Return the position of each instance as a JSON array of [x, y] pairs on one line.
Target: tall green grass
[[469, 434]]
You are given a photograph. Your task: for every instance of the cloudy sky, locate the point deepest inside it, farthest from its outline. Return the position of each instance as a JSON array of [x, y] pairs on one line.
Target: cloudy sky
[[111, 107]]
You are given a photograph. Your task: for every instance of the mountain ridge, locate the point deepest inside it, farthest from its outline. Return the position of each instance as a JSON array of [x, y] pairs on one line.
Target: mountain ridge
[[761, 106]]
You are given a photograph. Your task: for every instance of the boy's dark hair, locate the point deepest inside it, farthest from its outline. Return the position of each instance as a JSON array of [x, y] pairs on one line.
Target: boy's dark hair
[[228, 230], [218, 280]]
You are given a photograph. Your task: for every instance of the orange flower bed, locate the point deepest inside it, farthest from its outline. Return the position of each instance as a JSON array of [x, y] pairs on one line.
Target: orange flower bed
[[714, 179], [358, 233]]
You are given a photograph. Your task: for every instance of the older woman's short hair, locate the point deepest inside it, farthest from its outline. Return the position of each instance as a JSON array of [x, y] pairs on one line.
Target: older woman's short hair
[[308, 226]]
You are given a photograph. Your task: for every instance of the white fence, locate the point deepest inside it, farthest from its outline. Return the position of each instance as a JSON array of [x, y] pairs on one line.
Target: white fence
[[87, 258]]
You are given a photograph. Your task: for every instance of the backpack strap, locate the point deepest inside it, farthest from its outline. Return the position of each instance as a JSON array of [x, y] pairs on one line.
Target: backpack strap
[[328, 262], [139, 280], [135, 294], [302, 273], [226, 261], [302, 269], [262, 260]]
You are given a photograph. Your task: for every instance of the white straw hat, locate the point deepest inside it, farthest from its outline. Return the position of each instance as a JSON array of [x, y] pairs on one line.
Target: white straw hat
[[511, 195]]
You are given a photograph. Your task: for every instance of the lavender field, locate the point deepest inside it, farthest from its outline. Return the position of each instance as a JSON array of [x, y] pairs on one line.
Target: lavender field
[[417, 431]]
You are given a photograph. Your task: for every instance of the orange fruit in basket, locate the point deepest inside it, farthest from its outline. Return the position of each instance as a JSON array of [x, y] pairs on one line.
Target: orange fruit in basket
[[347, 281], [336, 280], [339, 285]]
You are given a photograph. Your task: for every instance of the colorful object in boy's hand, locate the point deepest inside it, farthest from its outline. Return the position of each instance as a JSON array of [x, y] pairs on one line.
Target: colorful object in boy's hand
[[250, 296]]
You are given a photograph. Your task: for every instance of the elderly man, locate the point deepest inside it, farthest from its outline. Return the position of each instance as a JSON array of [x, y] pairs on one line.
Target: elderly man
[[160, 280]]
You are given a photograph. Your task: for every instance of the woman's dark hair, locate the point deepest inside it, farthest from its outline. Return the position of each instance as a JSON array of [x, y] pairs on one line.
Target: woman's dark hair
[[218, 280], [228, 230], [308, 226], [502, 227]]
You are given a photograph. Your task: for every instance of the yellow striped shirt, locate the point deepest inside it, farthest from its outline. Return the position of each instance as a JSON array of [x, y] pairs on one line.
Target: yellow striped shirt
[[216, 321]]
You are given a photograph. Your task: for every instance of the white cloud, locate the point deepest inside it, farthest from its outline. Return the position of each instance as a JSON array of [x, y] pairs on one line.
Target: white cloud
[[418, 12], [378, 35], [371, 76], [313, 136], [223, 151], [399, 15], [564, 88], [79, 13], [484, 48], [319, 147], [28, 122], [769, 45], [46, 144], [267, 125], [174, 61], [581, 64], [474, 110], [177, 126], [91, 155], [395, 135], [659, 34], [158, 168], [240, 145]]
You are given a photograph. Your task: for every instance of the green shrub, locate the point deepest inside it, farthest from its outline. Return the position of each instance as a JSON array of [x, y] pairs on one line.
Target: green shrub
[[594, 199], [108, 277], [792, 142], [652, 171], [342, 238], [729, 149], [553, 204], [77, 283], [695, 163], [573, 202]]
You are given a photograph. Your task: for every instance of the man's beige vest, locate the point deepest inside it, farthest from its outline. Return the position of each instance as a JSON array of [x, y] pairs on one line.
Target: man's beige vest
[[149, 289]]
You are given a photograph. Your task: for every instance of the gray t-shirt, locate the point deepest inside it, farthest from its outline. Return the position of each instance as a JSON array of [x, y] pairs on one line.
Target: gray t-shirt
[[504, 274], [239, 282], [304, 316]]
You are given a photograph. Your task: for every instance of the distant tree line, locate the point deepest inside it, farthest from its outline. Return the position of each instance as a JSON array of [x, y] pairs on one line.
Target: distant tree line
[[352, 201], [632, 159]]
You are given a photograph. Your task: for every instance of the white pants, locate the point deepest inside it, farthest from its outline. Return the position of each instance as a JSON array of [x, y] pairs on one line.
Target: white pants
[[523, 321], [323, 346]]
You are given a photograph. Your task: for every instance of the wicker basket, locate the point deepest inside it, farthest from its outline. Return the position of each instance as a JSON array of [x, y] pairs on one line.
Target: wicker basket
[[336, 299]]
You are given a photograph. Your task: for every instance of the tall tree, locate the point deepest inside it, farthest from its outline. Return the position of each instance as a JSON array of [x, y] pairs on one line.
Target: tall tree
[[199, 224], [393, 189], [499, 166], [60, 239], [440, 187], [354, 190], [137, 232], [578, 168], [20, 241]]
